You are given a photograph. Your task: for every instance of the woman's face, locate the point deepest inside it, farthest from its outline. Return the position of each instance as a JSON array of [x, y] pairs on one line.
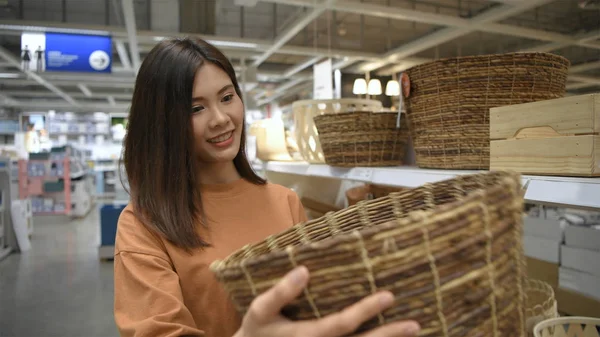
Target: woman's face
[[217, 115]]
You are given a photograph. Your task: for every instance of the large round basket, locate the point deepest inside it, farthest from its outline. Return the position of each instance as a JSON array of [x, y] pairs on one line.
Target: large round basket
[[304, 111], [362, 138], [450, 252], [449, 102], [541, 304]]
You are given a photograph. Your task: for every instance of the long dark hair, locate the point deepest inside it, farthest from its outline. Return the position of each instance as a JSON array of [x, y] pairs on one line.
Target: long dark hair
[[158, 147]]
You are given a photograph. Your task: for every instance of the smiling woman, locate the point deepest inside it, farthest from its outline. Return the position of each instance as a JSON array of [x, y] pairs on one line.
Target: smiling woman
[[195, 199]]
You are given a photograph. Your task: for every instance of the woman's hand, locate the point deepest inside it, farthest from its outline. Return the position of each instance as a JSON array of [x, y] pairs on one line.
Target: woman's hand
[[263, 318]]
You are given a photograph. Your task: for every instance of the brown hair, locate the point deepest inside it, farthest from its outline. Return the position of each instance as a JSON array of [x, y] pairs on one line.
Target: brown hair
[[158, 147]]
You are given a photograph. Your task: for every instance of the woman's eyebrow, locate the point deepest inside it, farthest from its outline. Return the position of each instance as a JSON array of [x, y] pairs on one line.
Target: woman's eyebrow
[[221, 91]]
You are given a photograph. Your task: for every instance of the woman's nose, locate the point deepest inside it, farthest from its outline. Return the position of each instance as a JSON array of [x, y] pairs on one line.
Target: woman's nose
[[219, 118]]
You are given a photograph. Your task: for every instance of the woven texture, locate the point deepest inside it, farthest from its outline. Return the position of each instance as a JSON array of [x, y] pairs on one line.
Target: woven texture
[[451, 252], [306, 133], [541, 304], [362, 138], [448, 108], [568, 327]]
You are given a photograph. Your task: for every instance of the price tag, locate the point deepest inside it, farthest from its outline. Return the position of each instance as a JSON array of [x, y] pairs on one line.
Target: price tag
[[361, 174]]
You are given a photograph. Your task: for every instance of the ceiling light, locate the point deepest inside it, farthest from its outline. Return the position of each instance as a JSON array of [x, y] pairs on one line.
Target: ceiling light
[[233, 44], [374, 87], [360, 86], [392, 88]]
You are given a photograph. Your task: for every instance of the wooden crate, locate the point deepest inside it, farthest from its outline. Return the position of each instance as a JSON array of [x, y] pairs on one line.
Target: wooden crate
[[553, 137]]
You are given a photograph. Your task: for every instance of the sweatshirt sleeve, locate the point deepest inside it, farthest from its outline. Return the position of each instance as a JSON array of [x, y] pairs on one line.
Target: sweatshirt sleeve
[[148, 298]]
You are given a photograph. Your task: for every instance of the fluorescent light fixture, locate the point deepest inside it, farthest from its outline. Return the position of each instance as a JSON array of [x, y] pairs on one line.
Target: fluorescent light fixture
[[20, 28], [158, 38], [233, 44], [360, 86], [392, 88], [374, 87], [9, 75]]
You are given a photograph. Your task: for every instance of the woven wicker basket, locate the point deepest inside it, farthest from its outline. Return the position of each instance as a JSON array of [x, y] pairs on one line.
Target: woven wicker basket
[[541, 304], [568, 327], [451, 253], [449, 102], [304, 111], [362, 138]]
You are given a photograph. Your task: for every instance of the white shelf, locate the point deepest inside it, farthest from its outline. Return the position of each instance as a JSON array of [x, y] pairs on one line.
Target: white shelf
[[560, 191]]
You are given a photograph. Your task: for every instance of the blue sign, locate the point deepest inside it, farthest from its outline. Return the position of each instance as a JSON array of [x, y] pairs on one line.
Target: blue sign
[[78, 53]]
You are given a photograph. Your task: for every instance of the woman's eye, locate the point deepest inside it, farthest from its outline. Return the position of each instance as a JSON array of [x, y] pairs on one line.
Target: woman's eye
[[197, 108], [228, 98]]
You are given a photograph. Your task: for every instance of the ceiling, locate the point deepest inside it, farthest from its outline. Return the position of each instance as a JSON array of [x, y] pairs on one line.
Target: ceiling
[[280, 40]]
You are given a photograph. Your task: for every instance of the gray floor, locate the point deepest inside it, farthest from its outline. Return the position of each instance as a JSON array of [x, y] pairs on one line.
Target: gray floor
[[60, 287]]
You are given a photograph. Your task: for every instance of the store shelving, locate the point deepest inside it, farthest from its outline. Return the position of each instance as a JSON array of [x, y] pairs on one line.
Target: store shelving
[[34, 177], [558, 191]]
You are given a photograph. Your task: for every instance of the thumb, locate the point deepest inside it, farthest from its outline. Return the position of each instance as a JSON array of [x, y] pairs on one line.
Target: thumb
[[269, 304]]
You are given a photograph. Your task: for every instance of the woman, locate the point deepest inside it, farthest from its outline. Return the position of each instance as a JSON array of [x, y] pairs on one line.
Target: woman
[[194, 199]]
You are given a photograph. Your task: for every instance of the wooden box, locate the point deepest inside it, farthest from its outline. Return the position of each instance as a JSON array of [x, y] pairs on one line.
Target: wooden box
[[552, 137]]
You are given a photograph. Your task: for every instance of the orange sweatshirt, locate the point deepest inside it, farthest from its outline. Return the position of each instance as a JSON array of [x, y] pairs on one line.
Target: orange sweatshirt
[[161, 290]]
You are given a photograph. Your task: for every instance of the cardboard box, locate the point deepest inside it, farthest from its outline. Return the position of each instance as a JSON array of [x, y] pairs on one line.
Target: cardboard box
[[575, 304], [542, 249], [581, 260], [583, 237], [578, 281], [543, 271], [549, 229]]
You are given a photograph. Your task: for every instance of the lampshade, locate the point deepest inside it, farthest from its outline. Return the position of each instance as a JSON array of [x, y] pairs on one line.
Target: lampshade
[[374, 87], [360, 86], [392, 88]]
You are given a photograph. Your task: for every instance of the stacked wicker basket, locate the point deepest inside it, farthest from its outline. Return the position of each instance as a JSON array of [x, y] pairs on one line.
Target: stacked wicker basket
[[349, 133], [449, 102]]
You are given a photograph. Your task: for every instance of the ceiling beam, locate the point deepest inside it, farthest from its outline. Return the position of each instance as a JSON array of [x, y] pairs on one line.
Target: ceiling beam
[[583, 67], [283, 89], [77, 95], [8, 57], [253, 46], [293, 70], [122, 52], [511, 8], [85, 90], [129, 15], [61, 105], [292, 30], [6, 99], [448, 34]]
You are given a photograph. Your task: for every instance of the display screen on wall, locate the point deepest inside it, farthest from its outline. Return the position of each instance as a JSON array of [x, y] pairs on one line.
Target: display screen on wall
[[66, 52]]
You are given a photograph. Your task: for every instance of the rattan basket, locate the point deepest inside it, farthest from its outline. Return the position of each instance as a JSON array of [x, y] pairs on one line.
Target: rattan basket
[[362, 138], [304, 111], [451, 253], [541, 304], [449, 102], [568, 327]]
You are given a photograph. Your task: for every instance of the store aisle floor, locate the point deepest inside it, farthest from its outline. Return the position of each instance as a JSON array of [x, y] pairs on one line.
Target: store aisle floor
[[60, 287]]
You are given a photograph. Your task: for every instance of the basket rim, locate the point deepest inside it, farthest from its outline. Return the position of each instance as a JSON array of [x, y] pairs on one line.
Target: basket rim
[[486, 56], [538, 328], [348, 113], [506, 179], [336, 100]]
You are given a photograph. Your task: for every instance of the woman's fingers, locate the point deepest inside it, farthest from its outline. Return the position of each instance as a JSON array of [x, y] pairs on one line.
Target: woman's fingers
[[349, 319], [397, 329], [268, 305]]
